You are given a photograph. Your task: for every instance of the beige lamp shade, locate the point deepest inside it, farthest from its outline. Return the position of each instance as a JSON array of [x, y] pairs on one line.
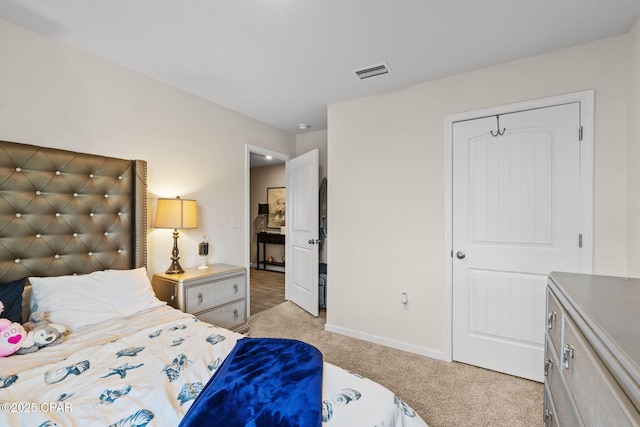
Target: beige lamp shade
[[176, 213]]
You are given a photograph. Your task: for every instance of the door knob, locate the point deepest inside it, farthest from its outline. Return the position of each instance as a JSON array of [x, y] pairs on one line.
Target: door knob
[[460, 254]]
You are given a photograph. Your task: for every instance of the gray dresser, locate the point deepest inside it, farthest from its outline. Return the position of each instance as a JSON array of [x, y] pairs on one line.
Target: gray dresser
[[592, 351]]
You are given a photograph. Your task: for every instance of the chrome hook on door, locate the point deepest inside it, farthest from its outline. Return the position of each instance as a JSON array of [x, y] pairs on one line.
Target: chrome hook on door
[[498, 131]]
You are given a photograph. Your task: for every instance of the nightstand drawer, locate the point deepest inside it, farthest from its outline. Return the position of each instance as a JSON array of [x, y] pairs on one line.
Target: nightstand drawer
[[227, 316], [207, 295]]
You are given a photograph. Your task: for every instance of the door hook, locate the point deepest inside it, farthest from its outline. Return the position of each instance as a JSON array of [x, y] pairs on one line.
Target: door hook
[[498, 131]]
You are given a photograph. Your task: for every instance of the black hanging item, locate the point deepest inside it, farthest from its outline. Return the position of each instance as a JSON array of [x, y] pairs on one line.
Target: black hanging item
[[323, 212], [498, 131]]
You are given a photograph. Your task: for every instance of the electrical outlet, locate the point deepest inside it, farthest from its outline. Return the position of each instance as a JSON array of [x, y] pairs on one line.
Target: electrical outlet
[[404, 301]]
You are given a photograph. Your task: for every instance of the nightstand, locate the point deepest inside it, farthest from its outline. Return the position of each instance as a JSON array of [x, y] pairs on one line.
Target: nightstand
[[216, 295]]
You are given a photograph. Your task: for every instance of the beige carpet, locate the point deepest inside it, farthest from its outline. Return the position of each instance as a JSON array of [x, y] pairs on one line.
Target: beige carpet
[[444, 394]]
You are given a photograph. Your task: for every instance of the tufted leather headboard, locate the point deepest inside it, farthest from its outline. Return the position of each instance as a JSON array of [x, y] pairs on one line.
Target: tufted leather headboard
[[63, 212]]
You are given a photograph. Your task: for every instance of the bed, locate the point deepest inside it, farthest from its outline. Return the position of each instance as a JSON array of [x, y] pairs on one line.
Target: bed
[[73, 246]]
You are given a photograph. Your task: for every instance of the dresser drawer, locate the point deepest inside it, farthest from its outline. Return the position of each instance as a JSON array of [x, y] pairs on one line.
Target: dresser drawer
[[204, 296], [554, 320], [597, 395], [227, 316], [550, 418], [564, 409]]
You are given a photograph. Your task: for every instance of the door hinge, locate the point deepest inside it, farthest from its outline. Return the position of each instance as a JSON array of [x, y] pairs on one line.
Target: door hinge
[[580, 240], [580, 132]]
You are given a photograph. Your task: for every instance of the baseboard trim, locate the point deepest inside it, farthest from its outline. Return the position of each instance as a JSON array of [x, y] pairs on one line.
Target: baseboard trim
[[277, 268], [376, 339]]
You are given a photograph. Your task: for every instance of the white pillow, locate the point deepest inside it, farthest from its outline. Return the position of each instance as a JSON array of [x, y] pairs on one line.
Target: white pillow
[[77, 301]]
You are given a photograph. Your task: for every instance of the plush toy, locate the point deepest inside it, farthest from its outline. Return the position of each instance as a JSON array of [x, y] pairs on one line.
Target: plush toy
[[41, 333], [12, 335]]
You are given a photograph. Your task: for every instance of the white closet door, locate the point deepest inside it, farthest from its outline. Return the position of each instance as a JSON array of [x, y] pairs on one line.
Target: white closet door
[[516, 218]]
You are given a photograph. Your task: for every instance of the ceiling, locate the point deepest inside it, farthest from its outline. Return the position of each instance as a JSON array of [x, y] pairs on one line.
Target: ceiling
[[283, 61], [257, 160]]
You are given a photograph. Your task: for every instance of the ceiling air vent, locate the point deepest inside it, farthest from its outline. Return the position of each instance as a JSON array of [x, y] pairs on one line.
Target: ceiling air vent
[[374, 70]]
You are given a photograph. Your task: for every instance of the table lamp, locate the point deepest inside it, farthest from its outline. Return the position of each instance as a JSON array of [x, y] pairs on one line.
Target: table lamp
[[263, 209], [176, 213]]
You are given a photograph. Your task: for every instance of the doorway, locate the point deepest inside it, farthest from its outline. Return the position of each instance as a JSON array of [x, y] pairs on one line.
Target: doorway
[[524, 171], [302, 231], [269, 283]]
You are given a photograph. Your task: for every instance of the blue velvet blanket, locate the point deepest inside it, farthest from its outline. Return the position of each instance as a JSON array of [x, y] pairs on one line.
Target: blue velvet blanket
[[264, 382]]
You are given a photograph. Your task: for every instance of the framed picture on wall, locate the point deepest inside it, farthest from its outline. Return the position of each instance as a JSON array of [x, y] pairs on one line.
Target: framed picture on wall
[[276, 197]]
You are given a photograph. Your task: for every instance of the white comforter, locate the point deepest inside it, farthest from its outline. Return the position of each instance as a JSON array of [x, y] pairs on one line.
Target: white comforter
[[146, 370]]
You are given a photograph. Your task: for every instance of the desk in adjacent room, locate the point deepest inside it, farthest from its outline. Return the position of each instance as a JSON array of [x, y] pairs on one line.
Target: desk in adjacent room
[[271, 239]]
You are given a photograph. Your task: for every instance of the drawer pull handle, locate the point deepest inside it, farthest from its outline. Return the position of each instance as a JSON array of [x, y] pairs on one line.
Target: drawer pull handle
[[551, 318], [548, 364], [173, 297], [548, 417], [235, 288], [235, 313], [200, 298], [567, 354]]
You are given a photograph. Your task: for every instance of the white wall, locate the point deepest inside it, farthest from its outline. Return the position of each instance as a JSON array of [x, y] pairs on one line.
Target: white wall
[[386, 158], [633, 159], [306, 142], [56, 96]]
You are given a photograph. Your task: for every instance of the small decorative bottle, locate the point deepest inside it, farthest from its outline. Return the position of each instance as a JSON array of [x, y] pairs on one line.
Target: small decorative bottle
[[203, 251]]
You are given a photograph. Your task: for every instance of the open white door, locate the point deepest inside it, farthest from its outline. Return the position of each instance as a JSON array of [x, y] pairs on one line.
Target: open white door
[[301, 279]]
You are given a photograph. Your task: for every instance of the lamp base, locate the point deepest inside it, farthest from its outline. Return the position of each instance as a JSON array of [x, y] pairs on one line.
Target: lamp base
[[203, 263], [175, 267]]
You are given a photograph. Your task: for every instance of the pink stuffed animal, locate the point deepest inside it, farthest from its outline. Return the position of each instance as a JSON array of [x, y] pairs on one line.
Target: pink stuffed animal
[[12, 335]]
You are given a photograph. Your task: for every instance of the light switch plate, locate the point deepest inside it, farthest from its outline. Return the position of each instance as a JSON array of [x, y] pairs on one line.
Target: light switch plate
[[235, 222]]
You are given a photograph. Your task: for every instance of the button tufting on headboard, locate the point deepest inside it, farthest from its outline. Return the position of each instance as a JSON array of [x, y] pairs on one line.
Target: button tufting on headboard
[[63, 212]]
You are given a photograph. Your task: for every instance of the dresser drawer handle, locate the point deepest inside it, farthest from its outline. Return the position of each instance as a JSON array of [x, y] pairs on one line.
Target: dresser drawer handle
[[200, 298], [551, 318], [235, 313], [235, 288], [548, 364], [567, 354]]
